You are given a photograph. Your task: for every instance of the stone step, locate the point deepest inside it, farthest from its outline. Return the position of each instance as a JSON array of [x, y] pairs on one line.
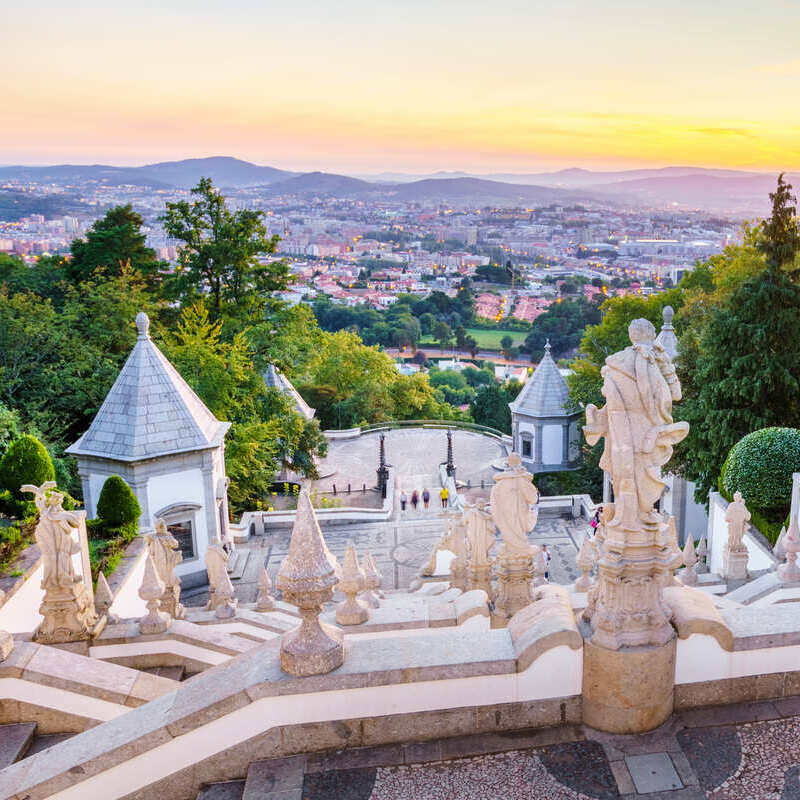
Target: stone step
[[276, 779], [46, 740], [15, 740], [237, 564], [229, 790], [176, 673]]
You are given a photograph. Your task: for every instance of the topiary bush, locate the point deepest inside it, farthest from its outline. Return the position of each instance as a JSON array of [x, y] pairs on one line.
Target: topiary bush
[[25, 461], [117, 506], [760, 466]]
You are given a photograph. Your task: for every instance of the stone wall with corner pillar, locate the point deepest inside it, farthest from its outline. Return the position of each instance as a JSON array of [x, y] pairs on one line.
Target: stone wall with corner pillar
[[179, 486]]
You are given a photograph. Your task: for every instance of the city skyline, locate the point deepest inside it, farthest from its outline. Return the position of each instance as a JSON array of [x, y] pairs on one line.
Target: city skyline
[[360, 89]]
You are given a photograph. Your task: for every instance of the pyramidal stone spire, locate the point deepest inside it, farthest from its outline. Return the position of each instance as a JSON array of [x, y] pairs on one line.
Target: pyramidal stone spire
[[306, 578], [666, 337], [156, 621], [265, 601], [103, 598], [149, 411], [546, 392], [350, 611]]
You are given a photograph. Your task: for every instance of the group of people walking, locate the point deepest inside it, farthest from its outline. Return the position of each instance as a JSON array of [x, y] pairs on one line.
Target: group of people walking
[[425, 496]]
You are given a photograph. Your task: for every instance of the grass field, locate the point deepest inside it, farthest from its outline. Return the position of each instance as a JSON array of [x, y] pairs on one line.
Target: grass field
[[487, 340]]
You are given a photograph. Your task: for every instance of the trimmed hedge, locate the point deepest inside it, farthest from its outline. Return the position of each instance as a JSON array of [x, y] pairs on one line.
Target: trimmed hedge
[[117, 506], [25, 461], [760, 466]]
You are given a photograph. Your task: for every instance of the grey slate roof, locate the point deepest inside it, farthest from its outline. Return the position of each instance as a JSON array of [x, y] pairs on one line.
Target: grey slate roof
[[545, 393], [275, 379], [150, 411]]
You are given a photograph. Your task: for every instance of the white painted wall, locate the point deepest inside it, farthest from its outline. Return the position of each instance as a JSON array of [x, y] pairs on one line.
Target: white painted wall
[[574, 441], [700, 658], [127, 603], [183, 486], [557, 673], [20, 613], [552, 444]]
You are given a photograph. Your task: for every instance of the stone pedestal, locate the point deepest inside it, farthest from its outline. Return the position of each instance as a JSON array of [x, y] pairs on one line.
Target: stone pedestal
[[314, 648], [629, 690], [480, 577], [69, 615], [514, 579], [734, 564]]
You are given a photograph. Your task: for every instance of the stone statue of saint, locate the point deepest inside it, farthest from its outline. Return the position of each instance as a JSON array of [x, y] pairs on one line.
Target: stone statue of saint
[[221, 591], [640, 385], [54, 536], [480, 534], [737, 516], [166, 555], [512, 498]]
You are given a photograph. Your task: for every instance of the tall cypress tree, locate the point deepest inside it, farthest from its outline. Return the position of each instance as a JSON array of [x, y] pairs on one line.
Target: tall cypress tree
[[746, 375]]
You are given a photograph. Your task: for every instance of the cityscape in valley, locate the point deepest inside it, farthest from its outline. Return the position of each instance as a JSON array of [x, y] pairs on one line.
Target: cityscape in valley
[[400, 405]]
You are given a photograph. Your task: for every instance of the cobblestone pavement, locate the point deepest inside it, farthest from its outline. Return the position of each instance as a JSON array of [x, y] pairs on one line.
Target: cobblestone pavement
[[698, 754]]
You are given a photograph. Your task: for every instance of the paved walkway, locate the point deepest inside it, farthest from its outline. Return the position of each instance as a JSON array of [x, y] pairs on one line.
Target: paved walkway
[[745, 752]]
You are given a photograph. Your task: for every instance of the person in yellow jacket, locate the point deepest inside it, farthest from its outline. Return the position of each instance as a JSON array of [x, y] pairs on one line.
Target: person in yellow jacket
[[444, 496]]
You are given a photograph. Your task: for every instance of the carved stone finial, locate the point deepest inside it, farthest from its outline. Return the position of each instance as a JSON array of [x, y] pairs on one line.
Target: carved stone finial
[[372, 583], [306, 578], [143, 325], [265, 601], [789, 571], [585, 561], [156, 621], [689, 576], [350, 611], [103, 599], [547, 347], [702, 549], [6, 645], [778, 551], [666, 315]]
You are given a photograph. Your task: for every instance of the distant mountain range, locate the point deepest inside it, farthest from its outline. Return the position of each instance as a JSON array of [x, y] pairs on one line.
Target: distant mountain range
[[693, 187]]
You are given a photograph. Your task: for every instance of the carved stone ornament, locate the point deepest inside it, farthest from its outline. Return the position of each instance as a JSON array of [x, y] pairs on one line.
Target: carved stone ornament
[[638, 554], [351, 611], [306, 578], [67, 607], [166, 555], [151, 591]]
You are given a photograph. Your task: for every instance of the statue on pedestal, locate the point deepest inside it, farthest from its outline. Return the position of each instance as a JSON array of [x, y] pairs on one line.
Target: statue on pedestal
[[735, 555], [481, 539], [512, 500], [637, 553], [166, 555], [221, 596], [455, 540], [67, 607]]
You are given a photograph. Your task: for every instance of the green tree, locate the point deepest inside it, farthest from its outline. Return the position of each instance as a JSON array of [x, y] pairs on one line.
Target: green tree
[[25, 461], [442, 333], [112, 242], [221, 254], [741, 369], [117, 504], [490, 408]]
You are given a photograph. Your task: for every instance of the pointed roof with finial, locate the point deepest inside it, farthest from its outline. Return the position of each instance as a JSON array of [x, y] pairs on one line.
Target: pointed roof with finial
[[546, 393], [150, 411], [667, 338], [275, 379]]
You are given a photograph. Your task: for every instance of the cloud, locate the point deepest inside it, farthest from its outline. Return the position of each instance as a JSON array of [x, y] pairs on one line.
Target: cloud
[[790, 68], [725, 132]]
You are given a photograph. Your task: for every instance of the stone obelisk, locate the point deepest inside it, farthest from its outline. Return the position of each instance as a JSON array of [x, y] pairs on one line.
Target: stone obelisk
[[629, 655]]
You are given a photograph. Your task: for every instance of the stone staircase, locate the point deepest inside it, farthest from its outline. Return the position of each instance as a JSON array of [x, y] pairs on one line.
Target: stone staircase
[[275, 779], [20, 740]]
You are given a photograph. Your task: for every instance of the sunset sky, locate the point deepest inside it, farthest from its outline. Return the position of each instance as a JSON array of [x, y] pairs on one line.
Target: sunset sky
[[363, 86]]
